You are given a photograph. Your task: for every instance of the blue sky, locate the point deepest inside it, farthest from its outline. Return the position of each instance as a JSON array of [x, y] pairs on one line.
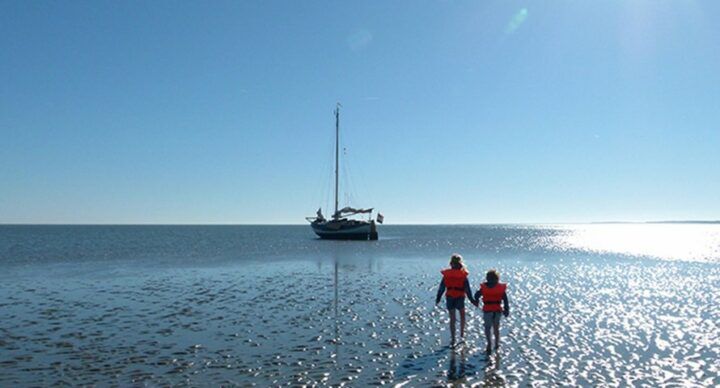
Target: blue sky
[[453, 111]]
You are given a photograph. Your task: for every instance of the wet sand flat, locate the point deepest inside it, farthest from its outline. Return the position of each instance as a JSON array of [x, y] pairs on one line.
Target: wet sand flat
[[350, 316]]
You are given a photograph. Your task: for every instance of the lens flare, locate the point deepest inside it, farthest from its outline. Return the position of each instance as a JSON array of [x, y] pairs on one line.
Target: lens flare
[[517, 20]]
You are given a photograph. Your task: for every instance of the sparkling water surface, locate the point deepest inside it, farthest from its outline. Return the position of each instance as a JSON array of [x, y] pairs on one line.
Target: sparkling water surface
[[608, 304]]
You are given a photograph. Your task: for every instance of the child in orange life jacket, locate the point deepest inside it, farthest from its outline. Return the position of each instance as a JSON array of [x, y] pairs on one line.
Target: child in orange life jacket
[[492, 292], [455, 282]]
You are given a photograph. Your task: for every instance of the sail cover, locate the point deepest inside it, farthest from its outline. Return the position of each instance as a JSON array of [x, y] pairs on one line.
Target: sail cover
[[350, 211]]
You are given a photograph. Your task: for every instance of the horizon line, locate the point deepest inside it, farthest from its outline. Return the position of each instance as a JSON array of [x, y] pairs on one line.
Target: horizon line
[[399, 224]]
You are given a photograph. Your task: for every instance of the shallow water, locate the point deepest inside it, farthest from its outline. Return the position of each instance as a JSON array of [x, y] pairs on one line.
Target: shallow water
[[272, 306]]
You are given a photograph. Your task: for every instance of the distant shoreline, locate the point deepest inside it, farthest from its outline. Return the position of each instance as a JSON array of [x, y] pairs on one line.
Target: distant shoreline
[[656, 222]]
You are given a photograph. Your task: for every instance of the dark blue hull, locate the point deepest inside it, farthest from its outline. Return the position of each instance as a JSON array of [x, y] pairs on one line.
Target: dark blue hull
[[345, 230]]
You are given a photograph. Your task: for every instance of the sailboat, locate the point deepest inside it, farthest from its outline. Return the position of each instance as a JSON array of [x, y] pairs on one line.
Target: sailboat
[[341, 226]]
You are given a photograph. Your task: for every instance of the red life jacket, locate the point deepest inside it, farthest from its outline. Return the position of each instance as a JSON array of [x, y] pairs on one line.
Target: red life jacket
[[492, 296], [454, 280]]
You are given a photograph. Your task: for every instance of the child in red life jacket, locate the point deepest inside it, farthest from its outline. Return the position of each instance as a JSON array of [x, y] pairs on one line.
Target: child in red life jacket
[[493, 292], [455, 285]]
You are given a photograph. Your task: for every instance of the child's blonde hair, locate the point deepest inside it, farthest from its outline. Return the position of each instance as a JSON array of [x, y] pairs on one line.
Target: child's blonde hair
[[456, 261]]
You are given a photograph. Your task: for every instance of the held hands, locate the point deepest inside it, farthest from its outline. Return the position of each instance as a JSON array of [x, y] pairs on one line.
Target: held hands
[[506, 313], [475, 303]]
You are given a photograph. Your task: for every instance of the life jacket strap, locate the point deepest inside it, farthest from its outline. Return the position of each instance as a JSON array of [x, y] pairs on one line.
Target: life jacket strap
[[456, 288], [498, 302]]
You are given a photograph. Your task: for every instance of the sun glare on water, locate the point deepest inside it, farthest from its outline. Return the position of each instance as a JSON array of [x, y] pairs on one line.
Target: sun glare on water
[[695, 242]]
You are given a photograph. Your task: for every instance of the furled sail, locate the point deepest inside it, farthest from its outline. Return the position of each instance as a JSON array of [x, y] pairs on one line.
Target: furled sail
[[348, 211]]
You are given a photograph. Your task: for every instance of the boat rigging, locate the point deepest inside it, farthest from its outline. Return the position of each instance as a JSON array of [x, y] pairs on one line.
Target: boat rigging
[[340, 226]]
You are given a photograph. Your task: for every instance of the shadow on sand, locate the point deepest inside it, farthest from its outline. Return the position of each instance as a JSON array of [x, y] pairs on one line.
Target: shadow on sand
[[464, 364]]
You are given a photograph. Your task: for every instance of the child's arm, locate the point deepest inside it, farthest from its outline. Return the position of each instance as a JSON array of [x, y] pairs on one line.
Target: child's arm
[[441, 290], [469, 293], [506, 302]]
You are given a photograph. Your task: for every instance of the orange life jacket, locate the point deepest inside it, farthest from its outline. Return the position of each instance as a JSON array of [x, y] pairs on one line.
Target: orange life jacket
[[454, 280], [492, 296]]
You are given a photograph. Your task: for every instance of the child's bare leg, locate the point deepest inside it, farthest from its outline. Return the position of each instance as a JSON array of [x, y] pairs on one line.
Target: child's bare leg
[[496, 329], [452, 325], [487, 338], [462, 323]]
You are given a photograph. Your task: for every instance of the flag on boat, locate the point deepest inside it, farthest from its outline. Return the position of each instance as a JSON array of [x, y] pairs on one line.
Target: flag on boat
[[380, 218]]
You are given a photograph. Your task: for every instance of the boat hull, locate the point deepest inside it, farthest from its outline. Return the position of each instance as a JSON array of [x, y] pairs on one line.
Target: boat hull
[[345, 230]]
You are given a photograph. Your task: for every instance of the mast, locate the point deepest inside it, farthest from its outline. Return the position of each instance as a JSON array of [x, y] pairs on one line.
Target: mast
[[337, 156]]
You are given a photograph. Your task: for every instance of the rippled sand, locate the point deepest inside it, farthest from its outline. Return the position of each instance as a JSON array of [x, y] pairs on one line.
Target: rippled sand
[[575, 321]]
